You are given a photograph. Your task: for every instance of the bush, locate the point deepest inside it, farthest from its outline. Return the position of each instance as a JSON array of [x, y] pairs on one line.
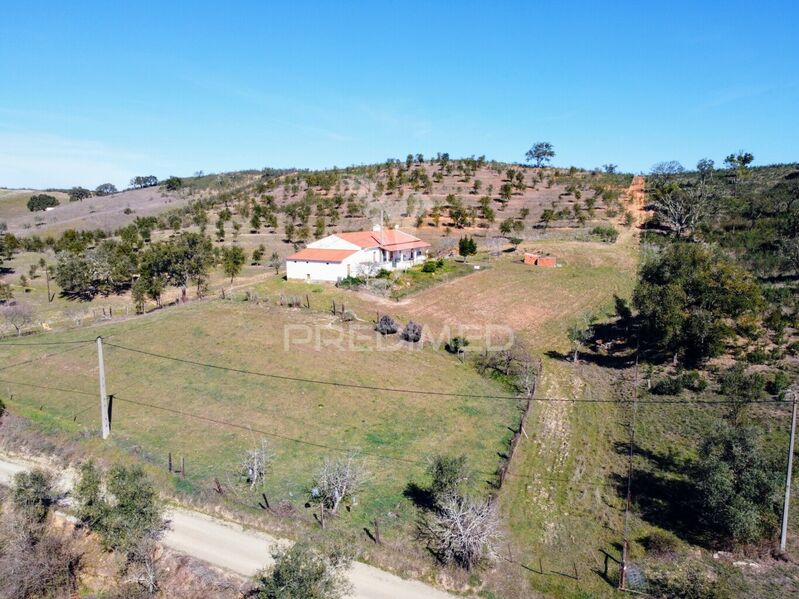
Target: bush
[[41, 202], [386, 325], [300, 571], [412, 332], [693, 381], [757, 356], [456, 345], [348, 316], [606, 233], [660, 543], [776, 386], [351, 282], [383, 274], [429, 266], [694, 581], [671, 385]]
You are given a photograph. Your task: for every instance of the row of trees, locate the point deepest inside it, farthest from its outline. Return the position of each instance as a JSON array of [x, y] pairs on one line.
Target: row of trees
[[112, 266]]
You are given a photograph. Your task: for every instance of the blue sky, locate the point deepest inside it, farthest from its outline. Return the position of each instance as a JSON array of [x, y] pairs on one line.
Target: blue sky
[[102, 91]]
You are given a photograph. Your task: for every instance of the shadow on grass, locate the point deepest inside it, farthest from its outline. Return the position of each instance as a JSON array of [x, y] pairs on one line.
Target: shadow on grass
[[420, 496], [665, 495]]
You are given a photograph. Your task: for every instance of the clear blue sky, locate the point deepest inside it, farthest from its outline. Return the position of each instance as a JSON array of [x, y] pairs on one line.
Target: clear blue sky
[[101, 91]]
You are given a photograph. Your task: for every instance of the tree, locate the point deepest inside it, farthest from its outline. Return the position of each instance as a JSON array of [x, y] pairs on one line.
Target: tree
[[105, 189], [738, 486], [32, 495], [739, 161], [741, 388], [687, 298], [580, 332], [462, 530], [610, 168], [41, 202], [140, 182], [666, 171], [506, 226], [412, 332], [449, 475], [127, 513], [173, 183], [256, 463], [18, 315], [547, 216], [506, 192], [78, 194], [467, 246], [705, 168], [540, 153], [386, 325], [275, 262], [336, 480], [35, 561], [191, 260], [233, 259], [301, 572], [679, 208]]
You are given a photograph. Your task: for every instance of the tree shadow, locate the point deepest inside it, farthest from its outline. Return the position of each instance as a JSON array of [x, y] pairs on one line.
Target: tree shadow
[[664, 494], [420, 496]]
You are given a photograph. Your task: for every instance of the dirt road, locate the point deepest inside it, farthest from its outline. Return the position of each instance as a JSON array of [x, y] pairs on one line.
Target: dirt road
[[228, 545]]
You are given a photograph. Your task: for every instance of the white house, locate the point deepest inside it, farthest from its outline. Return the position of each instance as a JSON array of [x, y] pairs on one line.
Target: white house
[[342, 255]]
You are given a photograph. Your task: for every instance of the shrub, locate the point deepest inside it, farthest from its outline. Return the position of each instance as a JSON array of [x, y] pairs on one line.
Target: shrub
[[776, 386], [456, 345], [348, 316], [429, 266], [383, 274], [412, 332], [386, 325], [694, 381], [300, 571], [757, 356], [606, 233], [41, 202], [351, 282], [660, 543], [671, 385]]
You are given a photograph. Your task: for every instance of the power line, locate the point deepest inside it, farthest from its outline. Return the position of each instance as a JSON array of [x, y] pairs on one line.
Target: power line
[[47, 388], [408, 391], [4, 344], [42, 357]]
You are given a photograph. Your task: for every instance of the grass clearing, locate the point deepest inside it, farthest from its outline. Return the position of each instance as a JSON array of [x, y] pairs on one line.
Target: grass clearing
[[248, 336]]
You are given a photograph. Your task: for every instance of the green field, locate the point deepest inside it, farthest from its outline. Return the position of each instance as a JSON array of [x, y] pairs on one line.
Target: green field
[[404, 430]]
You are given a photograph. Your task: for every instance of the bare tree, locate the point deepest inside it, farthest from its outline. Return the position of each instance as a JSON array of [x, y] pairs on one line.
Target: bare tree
[[369, 270], [144, 565], [338, 479], [681, 209], [256, 463], [19, 315], [463, 530]]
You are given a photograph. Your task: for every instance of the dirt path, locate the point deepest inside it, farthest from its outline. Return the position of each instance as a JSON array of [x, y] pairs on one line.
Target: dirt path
[[636, 193], [228, 545]]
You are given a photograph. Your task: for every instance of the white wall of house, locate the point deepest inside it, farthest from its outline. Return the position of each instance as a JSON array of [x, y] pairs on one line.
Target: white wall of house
[[311, 270]]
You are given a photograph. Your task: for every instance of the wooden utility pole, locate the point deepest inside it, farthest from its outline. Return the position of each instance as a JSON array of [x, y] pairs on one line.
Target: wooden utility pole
[[626, 542], [47, 278], [104, 416], [787, 502]]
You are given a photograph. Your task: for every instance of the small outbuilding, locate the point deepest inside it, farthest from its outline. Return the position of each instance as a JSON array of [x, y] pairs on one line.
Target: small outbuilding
[[536, 259]]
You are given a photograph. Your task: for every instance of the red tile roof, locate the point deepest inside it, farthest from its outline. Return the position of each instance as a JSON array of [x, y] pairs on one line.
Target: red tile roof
[[321, 255], [393, 239]]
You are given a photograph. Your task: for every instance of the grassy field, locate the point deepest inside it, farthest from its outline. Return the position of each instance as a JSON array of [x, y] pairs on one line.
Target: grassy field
[[405, 429]]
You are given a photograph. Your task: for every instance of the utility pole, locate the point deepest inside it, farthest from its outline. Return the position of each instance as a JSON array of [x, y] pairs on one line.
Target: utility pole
[[626, 542], [104, 419], [47, 278], [786, 504]]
